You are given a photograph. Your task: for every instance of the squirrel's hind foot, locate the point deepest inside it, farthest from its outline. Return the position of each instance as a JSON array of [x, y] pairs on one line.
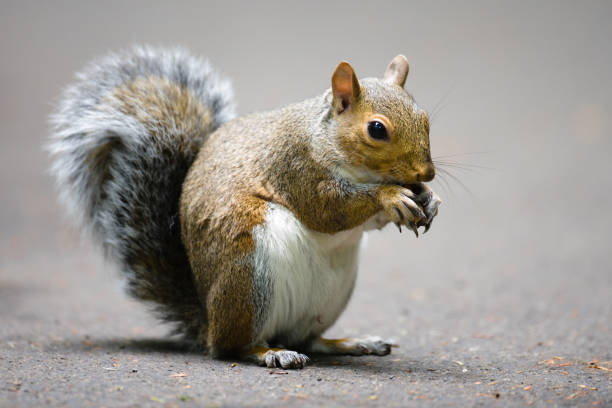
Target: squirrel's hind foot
[[276, 357], [368, 345]]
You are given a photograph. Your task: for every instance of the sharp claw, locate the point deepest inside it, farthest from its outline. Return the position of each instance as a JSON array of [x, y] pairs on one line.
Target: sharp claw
[[416, 212], [400, 215], [415, 229], [427, 226], [399, 227]]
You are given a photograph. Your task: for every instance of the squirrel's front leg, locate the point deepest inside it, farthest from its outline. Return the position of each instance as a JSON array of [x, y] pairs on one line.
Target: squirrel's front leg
[[339, 205]]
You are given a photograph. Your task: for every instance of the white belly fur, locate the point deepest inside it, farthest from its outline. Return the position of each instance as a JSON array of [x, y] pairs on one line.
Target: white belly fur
[[312, 275]]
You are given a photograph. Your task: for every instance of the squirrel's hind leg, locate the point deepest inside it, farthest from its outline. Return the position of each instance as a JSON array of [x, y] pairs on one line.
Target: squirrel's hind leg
[[369, 345], [275, 357]]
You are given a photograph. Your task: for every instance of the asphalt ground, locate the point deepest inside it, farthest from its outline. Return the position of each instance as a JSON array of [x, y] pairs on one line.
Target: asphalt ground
[[505, 302]]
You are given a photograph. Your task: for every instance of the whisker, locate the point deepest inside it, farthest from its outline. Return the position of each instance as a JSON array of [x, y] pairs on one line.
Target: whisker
[[444, 185], [462, 184], [463, 154], [462, 166], [434, 114], [465, 170], [438, 106]]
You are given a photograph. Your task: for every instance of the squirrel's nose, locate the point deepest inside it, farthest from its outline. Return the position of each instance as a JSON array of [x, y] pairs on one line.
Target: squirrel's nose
[[426, 173]]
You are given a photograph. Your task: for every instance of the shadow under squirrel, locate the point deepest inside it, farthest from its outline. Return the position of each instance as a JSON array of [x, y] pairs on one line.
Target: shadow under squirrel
[[243, 232]]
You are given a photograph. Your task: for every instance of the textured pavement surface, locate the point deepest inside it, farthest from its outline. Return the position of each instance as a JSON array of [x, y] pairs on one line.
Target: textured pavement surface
[[507, 301]]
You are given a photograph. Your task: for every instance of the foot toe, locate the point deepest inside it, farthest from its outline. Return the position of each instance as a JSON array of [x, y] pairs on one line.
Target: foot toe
[[285, 359], [375, 345]]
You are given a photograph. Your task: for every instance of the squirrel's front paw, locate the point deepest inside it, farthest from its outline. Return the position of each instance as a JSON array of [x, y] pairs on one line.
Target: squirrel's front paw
[[428, 201], [400, 206]]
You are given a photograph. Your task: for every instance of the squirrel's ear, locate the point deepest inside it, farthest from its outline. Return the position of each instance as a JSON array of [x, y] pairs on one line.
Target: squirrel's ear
[[345, 87], [397, 71]]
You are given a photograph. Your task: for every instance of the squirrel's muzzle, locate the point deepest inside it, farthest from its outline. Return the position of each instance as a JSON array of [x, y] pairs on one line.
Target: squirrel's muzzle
[[426, 173]]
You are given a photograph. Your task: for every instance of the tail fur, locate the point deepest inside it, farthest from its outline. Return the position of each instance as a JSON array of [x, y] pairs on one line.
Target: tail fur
[[123, 139]]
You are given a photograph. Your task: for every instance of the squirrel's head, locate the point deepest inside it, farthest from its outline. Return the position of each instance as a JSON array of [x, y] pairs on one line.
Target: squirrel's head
[[382, 134]]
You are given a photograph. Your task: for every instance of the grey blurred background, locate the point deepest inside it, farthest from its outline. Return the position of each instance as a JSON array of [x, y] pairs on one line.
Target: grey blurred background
[[515, 272]]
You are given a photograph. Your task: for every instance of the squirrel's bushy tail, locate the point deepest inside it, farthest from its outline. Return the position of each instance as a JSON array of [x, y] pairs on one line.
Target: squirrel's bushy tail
[[123, 139]]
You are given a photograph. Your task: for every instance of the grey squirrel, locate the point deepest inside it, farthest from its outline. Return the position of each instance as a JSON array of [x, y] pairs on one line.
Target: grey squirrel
[[244, 232]]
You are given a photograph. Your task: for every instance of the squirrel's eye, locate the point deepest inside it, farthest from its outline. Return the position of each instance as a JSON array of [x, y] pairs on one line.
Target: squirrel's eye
[[377, 130]]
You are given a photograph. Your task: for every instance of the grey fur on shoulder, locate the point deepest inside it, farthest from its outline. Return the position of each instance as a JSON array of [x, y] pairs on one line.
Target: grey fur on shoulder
[[124, 136]]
